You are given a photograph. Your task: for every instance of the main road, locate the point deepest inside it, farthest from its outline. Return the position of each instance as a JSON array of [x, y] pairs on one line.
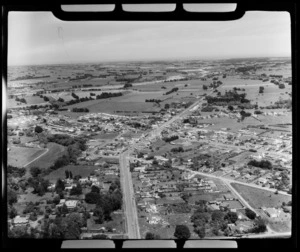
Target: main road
[[130, 209], [131, 216]]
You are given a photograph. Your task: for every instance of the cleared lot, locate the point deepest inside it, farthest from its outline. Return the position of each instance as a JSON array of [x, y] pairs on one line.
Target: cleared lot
[[258, 198]]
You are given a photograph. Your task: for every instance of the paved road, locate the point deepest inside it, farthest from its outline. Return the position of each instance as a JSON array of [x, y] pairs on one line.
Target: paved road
[[129, 200], [234, 181]]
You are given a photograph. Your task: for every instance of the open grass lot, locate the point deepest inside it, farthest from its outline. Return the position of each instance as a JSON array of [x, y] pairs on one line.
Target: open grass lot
[[106, 136], [270, 95], [166, 232], [234, 126], [82, 170], [20, 156], [55, 151], [258, 198], [281, 224]]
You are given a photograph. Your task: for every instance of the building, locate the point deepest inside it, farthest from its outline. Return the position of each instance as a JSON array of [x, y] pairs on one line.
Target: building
[[71, 204], [271, 212], [21, 221]]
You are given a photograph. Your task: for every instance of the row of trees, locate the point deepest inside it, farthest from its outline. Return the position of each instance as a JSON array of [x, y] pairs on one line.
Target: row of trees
[[80, 110], [153, 100], [170, 139], [172, 90], [106, 95]]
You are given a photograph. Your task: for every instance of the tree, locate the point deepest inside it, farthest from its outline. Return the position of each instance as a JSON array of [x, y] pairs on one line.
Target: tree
[[127, 85], [95, 189], [151, 236], [167, 106], [56, 199], [70, 175], [76, 190], [185, 197], [92, 198], [217, 215], [98, 212], [12, 212], [250, 214], [38, 129], [12, 196], [231, 217], [182, 232], [67, 173], [230, 107], [64, 209], [281, 86], [204, 87], [60, 186], [200, 231], [72, 225], [259, 226], [35, 171], [261, 90]]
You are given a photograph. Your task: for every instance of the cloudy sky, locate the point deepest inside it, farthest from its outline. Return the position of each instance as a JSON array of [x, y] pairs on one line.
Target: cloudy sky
[[40, 38]]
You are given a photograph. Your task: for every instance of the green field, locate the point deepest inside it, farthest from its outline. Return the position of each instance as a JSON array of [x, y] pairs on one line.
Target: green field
[[20, 156], [82, 170], [55, 151], [258, 198]]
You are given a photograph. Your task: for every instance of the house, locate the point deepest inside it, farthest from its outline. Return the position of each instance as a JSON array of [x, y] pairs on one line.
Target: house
[[262, 181], [61, 203], [21, 221], [271, 212], [71, 204]]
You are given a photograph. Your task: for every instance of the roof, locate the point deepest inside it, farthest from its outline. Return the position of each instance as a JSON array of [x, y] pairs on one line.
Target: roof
[[20, 220], [71, 203]]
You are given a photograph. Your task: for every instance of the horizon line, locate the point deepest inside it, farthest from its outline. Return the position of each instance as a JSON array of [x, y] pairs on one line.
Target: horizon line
[[151, 60]]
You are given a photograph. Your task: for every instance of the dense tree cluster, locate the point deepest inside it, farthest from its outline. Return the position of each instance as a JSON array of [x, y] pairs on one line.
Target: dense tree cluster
[[15, 171], [39, 185], [265, 164], [106, 203]]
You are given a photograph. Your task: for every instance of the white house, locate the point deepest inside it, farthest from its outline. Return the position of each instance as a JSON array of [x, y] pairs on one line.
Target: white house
[[71, 203], [21, 221]]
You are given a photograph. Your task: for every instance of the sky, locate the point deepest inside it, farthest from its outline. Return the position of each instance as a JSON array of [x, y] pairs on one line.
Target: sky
[[36, 38]]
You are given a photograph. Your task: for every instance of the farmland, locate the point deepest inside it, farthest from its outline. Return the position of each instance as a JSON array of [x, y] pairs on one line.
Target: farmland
[[55, 151], [20, 156], [258, 198]]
